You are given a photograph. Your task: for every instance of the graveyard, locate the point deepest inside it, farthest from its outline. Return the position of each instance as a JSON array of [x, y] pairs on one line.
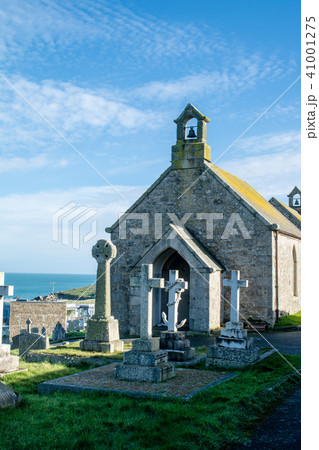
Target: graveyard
[[145, 392]]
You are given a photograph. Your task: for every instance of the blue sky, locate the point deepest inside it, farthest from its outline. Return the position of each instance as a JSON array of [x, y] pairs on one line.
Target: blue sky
[[111, 77]]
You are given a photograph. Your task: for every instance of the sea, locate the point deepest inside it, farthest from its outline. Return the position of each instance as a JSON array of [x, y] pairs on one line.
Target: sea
[[30, 285]]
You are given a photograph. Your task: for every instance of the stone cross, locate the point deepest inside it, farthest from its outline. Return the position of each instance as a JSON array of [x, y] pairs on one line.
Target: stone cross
[[175, 286], [103, 251], [235, 283], [147, 283], [4, 290], [29, 322]]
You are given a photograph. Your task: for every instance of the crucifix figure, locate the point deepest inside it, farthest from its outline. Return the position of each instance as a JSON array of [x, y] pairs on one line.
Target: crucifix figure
[[147, 285], [235, 283], [4, 290], [175, 286], [103, 251]]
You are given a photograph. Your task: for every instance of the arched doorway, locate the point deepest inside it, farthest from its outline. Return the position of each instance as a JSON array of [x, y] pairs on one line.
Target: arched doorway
[[170, 259]]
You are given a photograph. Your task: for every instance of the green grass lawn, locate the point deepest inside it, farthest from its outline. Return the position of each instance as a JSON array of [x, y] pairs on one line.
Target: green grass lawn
[[85, 292], [219, 417], [73, 349], [288, 321]]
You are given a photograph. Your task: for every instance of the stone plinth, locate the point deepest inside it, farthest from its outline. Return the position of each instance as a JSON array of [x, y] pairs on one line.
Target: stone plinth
[[8, 362], [178, 348], [145, 363], [232, 349], [231, 357], [102, 335]]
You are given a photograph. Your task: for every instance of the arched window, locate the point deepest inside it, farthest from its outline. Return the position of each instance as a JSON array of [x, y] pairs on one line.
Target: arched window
[[295, 272]]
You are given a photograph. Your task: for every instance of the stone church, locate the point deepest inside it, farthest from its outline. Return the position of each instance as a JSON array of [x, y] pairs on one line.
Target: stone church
[[205, 222]]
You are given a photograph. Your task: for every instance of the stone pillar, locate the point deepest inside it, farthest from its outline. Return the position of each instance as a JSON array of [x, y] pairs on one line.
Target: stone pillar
[[102, 334], [8, 363], [146, 362]]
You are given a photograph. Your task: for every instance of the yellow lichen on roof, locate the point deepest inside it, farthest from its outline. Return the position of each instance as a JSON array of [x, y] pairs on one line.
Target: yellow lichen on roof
[[291, 210], [255, 200]]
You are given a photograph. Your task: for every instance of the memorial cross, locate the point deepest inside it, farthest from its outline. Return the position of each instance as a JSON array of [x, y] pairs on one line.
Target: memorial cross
[[235, 283], [4, 290], [147, 283], [103, 251], [174, 286]]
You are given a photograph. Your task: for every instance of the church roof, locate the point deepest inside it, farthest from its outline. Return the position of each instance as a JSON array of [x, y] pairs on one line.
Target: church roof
[[252, 199], [256, 201], [290, 210]]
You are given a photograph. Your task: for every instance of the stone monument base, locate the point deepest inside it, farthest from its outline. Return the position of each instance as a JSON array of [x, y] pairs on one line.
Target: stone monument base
[[8, 363], [145, 363], [102, 335], [232, 349], [95, 346], [178, 348], [231, 357]]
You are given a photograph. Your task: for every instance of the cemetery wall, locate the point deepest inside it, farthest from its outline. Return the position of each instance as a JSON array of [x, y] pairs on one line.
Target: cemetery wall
[[42, 314]]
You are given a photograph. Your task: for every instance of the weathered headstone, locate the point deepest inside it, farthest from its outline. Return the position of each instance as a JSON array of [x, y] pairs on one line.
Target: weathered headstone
[[7, 362], [75, 325], [102, 333], [58, 333], [44, 331], [178, 348], [8, 397], [146, 362], [233, 348]]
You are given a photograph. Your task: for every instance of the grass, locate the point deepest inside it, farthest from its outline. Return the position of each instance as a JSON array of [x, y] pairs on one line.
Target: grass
[[88, 292], [288, 321], [73, 349], [221, 417]]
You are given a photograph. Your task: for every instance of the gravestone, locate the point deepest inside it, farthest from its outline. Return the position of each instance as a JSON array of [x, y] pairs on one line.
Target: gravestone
[[58, 333], [30, 341], [102, 332], [44, 331], [8, 363], [6, 337], [233, 349], [178, 348], [75, 325], [8, 397], [146, 362]]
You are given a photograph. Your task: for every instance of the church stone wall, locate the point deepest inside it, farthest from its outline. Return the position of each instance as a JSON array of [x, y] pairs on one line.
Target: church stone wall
[[253, 257], [42, 314], [288, 303]]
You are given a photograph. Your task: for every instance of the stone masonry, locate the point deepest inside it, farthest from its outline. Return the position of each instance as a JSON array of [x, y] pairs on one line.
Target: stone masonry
[[241, 235], [42, 314]]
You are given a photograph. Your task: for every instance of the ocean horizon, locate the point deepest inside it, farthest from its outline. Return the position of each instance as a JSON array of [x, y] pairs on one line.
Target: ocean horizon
[[30, 285]]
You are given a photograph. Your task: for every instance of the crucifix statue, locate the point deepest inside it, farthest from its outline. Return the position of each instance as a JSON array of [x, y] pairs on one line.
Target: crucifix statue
[[235, 284], [175, 286]]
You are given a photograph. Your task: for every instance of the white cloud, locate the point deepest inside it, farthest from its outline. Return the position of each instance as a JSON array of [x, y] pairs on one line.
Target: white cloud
[[18, 164], [270, 163], [26, 224]]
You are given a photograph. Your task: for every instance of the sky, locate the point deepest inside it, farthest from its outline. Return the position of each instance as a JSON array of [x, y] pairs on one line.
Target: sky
[[89, 94]]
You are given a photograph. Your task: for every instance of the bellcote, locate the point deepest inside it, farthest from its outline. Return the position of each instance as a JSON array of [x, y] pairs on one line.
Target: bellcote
[[295, 199], [191, 149]]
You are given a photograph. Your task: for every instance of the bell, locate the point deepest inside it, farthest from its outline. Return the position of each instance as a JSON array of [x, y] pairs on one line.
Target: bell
[[191, 133], [297, 202]]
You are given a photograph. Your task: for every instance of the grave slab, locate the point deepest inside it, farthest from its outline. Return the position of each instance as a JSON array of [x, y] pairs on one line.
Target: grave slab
[[184, 385]]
